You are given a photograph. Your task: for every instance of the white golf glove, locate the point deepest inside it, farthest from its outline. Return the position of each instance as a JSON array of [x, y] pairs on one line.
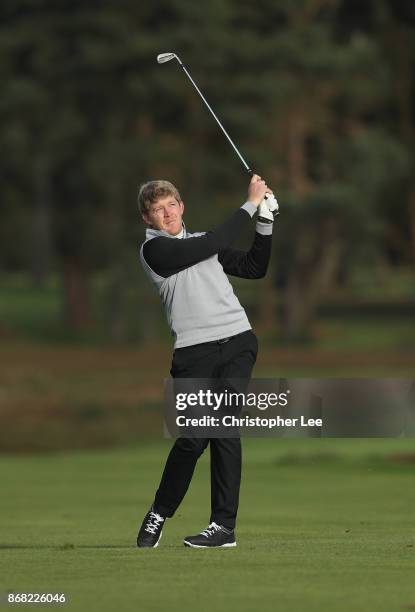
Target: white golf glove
[[268, 209]]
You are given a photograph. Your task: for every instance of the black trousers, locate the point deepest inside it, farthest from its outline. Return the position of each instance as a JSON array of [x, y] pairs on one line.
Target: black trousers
[[232, 359]]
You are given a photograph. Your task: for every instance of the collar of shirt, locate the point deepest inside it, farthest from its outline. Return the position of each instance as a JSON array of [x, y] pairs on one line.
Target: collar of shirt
[[153, 233], [180, 234]]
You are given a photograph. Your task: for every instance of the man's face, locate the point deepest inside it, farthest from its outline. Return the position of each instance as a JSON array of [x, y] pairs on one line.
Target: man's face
[[165, 214]]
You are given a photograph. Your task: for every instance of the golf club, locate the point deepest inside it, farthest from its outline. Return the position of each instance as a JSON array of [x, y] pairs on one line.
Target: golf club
[[268, 210]]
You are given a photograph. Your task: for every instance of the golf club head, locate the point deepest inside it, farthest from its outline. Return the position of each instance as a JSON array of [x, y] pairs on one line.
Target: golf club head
[[165, 57]]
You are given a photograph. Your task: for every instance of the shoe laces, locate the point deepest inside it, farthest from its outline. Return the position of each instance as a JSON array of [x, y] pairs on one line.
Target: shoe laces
[[210, 530], [154, 522]]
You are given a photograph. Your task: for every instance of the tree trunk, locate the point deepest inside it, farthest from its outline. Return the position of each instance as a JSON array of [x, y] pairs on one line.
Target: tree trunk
[[296, 307], [404, 88], [411, 208], [76, 291], [297, 135], [267, 303], [115, 293], [313, 274], [41, 238]]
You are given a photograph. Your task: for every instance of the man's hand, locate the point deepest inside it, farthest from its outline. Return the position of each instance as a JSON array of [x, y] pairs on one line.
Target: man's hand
[[257, 190]]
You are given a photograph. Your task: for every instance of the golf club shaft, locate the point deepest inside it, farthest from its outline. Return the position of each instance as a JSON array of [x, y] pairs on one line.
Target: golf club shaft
[[266, 213], [263, 215], [247, 168]]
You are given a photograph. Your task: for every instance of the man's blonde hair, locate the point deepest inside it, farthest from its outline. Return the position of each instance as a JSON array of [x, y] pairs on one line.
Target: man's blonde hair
[[152, 191]]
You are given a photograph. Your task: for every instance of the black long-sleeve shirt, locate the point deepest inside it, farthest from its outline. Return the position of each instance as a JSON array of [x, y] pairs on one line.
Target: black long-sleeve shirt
[[167, 257]]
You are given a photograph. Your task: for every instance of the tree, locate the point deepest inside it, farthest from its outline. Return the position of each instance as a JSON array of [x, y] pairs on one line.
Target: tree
[[327, 91]]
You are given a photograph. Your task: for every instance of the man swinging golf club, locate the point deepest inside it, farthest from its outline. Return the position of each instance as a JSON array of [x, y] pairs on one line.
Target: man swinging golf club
[[212, 339]]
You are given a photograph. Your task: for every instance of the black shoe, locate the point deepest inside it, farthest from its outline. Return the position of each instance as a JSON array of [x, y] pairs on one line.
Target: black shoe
[[151, 530], [213, 536]]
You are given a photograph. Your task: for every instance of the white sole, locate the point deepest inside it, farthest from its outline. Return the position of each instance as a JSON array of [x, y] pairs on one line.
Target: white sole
[[157, 543], [230, 545]]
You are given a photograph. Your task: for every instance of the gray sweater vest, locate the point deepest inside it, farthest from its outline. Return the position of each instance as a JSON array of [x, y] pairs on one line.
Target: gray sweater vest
[[199, 301]]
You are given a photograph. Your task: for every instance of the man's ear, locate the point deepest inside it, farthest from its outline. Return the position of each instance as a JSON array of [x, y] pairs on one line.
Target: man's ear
[[145, 218], [181, 204]]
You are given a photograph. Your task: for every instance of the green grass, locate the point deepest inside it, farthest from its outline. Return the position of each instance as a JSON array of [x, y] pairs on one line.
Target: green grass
[[377, 334], [28, 311], [36, 314], [324, 525]]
